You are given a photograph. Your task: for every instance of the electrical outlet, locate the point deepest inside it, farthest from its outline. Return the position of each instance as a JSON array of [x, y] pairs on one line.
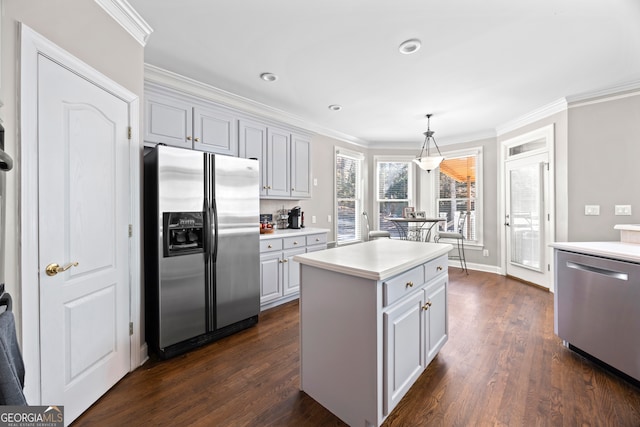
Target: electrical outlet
[[328, 218], [623, 210], [485, 252], [313, 219], [592, 209], [315, 182]]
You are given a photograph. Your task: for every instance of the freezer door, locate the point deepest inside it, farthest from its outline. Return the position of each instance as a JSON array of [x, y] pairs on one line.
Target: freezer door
[[237, 258], [181, 287]]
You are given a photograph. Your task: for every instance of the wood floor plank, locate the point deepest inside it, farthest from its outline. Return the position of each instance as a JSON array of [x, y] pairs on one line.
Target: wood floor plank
[[502, 366]]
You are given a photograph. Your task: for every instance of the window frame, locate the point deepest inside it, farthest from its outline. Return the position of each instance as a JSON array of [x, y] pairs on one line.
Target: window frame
[[359, 202], [411, 184], [479, 199]]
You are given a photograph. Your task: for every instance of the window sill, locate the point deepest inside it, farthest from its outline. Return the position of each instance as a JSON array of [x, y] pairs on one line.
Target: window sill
[[474, 246]]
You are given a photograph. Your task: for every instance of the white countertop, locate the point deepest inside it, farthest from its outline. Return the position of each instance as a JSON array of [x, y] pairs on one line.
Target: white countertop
[[292, 232], [616, 250], [376, 259], [627, 227]]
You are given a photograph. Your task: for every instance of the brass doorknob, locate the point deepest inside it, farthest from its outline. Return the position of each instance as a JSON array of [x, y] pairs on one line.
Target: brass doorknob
[[53, 269]]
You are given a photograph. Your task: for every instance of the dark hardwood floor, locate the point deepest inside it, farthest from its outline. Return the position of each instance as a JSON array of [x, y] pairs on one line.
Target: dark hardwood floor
[[502, 366]]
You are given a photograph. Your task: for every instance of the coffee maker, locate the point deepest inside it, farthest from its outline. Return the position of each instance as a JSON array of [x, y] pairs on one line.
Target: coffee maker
[[295, 217]]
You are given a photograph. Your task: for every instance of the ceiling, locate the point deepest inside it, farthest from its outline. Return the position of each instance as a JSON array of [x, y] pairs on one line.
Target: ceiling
[[482, 64]]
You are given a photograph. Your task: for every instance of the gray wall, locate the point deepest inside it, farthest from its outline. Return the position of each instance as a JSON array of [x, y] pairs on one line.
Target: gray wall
[[85, 30], [560, 122], [604, 167]]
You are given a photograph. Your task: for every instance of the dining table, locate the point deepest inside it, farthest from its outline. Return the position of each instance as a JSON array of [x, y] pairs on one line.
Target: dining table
[[416, 229]]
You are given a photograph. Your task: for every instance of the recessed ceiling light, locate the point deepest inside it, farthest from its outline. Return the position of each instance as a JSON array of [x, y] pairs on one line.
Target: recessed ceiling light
[[335, 107], [268, 77], [410, 46]]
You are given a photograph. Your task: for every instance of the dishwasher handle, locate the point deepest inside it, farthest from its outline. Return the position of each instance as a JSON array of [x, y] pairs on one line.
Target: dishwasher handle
[[597, 270]]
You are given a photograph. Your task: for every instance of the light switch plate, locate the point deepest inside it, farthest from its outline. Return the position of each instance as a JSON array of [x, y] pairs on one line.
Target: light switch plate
[[592, 209], [623, 209]]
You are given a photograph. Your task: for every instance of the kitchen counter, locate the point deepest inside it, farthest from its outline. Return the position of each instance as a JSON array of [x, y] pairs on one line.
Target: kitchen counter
[[373, 316], [376, 259], [291, 232], [614, 250]]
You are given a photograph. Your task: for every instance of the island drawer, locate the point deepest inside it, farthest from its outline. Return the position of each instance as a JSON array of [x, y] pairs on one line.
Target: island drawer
[[317, 239], [402, 284], [268, 245], [436, 267], [294, 242]]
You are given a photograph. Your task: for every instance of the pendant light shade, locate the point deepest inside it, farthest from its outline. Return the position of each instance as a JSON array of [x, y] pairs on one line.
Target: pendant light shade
[[428, 162]]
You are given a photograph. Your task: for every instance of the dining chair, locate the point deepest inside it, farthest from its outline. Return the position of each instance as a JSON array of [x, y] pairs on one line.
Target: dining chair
[[458, 235], [374, 234]]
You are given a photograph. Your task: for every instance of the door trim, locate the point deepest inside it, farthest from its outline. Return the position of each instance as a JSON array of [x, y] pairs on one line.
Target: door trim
[[548, 133], [32, 45]]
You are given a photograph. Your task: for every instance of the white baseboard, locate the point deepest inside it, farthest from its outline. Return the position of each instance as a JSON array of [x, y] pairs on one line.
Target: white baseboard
[[144, 353], [477, 267]]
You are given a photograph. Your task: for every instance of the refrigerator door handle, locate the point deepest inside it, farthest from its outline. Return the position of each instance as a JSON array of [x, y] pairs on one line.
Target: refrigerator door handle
[[207, 226], [214, 252]]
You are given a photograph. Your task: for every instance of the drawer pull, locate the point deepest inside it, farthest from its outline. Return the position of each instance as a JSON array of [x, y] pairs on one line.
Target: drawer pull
[[409, 285], [295, 243], [439, 268], [269, 246], [317, 239], [426, 306]]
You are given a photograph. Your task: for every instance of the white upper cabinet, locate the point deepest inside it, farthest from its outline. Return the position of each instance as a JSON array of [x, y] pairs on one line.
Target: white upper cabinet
[[252, 141], [214, 131], [180, 119], [285, 159], [167, 120], [187, 122], [279, 162], [300, 166]]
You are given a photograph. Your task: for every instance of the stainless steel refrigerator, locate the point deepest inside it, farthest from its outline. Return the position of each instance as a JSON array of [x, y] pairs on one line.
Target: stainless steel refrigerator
[[201, 254]]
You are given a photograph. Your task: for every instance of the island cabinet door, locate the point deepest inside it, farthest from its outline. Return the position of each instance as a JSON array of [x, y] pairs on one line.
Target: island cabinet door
[[403, 347], [436, 318]]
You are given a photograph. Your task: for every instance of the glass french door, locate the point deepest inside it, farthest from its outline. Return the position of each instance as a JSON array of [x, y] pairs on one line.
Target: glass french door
[[526, 219]]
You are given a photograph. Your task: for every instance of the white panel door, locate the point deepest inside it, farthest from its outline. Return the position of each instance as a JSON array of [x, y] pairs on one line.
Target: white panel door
[[83, 182]]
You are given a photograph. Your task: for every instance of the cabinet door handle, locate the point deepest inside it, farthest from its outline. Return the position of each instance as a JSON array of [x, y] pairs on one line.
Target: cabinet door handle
[[426, 306], [409, 285], [285, 260], [188, 138], [196, 139]]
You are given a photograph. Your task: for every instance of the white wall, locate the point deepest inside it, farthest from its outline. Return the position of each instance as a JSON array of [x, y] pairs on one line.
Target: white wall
[[85, 30]]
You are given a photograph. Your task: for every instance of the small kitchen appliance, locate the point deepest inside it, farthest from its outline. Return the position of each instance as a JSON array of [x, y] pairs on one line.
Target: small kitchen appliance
[[295, 217]]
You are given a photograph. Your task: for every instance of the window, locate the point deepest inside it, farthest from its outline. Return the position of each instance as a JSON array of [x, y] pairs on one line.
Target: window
[[348, 196], [459, 192], [394, 190]]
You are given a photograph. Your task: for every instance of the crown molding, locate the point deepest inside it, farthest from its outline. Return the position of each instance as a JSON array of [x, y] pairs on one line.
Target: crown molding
[[610, 93], [125, 15], [533, 116], [160, 76]]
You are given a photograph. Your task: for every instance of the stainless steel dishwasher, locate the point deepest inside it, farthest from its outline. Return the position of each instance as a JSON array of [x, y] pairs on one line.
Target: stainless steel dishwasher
[[597, 308]]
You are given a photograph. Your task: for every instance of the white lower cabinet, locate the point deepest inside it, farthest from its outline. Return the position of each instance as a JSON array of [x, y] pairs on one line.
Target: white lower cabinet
[[279, 273], [415, 329]]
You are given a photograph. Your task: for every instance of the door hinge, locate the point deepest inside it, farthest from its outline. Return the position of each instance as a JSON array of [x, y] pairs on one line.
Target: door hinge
[[548, 267], [129, 132], [130, 230], [130, 328]]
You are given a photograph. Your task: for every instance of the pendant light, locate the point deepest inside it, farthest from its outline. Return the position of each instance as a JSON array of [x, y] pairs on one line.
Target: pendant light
[[428, 162]]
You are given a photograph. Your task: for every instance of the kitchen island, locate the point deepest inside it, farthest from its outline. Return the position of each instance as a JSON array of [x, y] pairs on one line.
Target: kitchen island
[[372, 317]]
